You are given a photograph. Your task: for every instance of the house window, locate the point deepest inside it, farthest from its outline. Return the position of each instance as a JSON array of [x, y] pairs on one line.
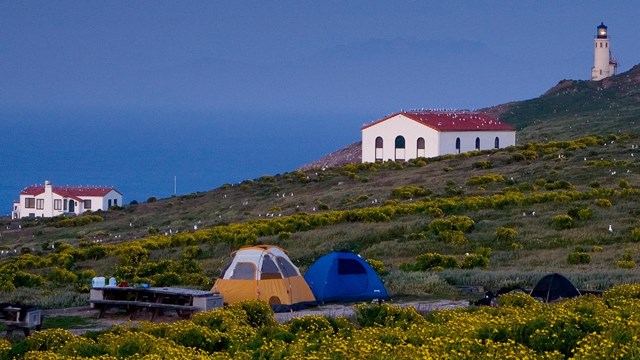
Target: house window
[[29, 203], [39, 204], [458, 145], [57, 204], [378, 150], [420, 144], [109, 204], [497, 143], [477, 143], [115, 202], [64, 203], [87, 204], [400, 146]]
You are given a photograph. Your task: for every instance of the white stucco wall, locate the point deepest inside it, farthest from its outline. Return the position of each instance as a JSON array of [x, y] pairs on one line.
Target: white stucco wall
[[114, 196], [468, 140], [389, 129], [436, 143]]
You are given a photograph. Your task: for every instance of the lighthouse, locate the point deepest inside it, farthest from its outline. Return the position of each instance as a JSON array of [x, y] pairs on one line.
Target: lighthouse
[[604, 64]]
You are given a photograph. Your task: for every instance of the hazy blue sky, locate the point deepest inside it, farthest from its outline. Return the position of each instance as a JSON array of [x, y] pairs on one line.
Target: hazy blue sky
[[135, 92], [299, 56]]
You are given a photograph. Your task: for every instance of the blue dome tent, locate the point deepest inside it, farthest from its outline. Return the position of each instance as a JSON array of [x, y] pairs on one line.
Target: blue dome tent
[[342, 276]]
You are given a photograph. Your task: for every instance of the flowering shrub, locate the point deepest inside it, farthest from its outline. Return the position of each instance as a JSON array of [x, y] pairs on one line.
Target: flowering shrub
[[562, 222], [506, 233], [578, 257], [520, 327]]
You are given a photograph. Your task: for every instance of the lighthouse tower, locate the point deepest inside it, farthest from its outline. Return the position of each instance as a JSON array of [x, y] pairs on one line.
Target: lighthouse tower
[[604, 65]]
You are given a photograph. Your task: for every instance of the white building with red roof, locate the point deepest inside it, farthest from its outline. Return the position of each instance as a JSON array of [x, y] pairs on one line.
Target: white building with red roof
[[49, 201], [412, 134]]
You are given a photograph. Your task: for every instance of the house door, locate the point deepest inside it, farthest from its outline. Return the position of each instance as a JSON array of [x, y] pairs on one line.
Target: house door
[[72, 205]]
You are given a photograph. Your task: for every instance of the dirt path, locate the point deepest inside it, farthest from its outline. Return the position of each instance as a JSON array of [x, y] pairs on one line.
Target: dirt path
[[116, 317]]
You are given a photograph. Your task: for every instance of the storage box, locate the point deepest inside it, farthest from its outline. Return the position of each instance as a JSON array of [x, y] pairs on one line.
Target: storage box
[[208, 302]]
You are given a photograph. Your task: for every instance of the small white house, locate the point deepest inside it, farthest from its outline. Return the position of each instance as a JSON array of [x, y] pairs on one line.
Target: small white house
[[411, 134], [49, 201]]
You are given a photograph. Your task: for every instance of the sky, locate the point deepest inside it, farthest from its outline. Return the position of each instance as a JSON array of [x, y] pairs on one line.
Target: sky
[[240, 89]]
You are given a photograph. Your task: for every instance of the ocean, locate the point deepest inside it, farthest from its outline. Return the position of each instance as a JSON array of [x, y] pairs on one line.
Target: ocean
[[147, 153]]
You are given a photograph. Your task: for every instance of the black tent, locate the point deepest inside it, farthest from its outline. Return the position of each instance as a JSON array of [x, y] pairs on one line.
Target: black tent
[[554, 286]]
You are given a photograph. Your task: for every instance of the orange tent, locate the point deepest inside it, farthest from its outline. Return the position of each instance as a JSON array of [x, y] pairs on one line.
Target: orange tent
[[264, 272]]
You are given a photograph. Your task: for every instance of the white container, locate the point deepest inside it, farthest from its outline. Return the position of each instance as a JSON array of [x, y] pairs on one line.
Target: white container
[[97, 282], [112, 281]]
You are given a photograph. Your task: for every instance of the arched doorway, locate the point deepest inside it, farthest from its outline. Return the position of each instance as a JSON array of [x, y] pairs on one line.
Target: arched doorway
[[379, 146], [497, 143], [420, 151], [400, 148], [477, 143]]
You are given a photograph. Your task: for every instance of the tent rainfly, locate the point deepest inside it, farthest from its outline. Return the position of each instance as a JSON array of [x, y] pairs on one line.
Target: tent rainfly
[[266, 273], [343, 276], [554, 286]]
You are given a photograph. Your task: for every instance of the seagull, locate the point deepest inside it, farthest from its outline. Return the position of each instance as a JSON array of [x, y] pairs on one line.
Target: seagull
[[610, 228]]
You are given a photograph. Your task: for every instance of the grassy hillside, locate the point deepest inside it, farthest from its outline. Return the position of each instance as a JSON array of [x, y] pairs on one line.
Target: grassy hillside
[[502, 217], [573, 108], [389, 212]]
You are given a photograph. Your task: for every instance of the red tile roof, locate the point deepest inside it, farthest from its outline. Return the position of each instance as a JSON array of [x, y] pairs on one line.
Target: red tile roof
[[452, 121], [69, 191]]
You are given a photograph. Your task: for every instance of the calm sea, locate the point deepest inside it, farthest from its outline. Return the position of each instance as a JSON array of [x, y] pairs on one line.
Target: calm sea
[[139, 153]]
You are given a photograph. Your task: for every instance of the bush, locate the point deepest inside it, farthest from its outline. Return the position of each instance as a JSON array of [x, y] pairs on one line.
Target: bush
[[625, 264], [635, 234], [25, 279], [578, 257], [62, 276], [432, 260], [471, 261], [456, 222], [580, 213], [603, 203], [258, 312], [562, 222], [378, 266], [411, 191], [455, 237], [368, 315], [506, 233], [485, 179], [484, 164], [624, 184], [517, 299]]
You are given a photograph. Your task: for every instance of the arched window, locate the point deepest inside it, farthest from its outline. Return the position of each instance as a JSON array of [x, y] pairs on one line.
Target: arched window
[[379, 146], [497, 143], [477, 143], [400, 148], [458, 145], [420, 148]]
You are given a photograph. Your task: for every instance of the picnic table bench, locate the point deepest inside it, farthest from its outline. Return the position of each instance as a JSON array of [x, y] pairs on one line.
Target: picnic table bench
[[157, 299], [19, 317]]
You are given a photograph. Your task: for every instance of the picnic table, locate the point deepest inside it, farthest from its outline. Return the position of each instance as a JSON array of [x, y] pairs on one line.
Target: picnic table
[[156, 299], [20, 317]]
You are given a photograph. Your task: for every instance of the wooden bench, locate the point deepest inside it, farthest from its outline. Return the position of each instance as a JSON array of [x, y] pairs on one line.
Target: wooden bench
[[133, 306], [32, 319]]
